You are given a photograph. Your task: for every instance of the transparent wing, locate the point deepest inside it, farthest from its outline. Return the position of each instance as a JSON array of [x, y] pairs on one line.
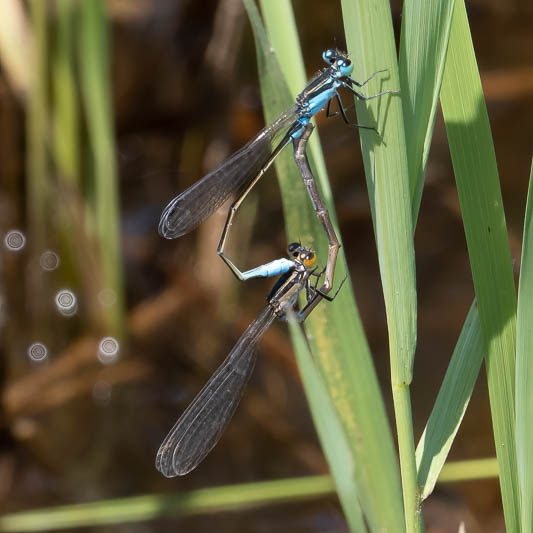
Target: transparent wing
[[190, 208], [200, 427]]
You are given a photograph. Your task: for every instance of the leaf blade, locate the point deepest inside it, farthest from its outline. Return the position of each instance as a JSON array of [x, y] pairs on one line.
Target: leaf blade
[[476, 174]]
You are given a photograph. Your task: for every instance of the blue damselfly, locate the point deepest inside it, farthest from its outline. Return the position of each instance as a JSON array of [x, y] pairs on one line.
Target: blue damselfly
[[241, 171]]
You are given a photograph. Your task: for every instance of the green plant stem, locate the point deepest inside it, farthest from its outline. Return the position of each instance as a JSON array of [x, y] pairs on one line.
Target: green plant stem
[[37, 127], [96, 91], [37, 199], [406, 445], [457, 471], [66, 120], [210, 500]]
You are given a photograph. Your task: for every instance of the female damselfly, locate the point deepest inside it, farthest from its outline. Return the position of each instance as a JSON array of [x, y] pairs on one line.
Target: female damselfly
[[201, 425], [241, 171]]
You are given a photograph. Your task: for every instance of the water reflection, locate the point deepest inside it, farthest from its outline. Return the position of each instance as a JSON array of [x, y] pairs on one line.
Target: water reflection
[[66, 302], [37, 351], [49, 260], [108, 350], [15, 240]]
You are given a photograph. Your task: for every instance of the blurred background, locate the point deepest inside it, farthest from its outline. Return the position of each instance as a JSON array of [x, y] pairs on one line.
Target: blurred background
[[107, 111]]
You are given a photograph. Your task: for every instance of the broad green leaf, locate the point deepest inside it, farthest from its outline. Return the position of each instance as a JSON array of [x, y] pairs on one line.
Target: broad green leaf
[[370, 38], [423, 45], [524, 369], [371, 43], [451, 404], [330, 431], [476, 174]]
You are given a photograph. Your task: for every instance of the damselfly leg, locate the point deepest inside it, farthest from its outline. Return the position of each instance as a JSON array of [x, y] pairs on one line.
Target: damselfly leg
[[319, 206], [300, 156], [237, 203]]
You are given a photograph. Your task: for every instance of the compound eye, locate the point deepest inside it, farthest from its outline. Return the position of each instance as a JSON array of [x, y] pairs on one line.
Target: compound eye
[[345, 66], [329, 56], [294, 249], [308, 259]]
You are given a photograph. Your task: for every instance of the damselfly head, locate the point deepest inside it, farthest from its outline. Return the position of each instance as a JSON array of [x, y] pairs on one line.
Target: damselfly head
[[338, 60], [303, 255]]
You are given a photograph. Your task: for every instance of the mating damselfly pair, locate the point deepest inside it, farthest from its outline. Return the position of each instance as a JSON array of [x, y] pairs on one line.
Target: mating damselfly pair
[[203, 422]]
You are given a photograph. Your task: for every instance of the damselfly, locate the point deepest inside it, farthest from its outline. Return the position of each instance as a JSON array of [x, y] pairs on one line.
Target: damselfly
[[201, 425], [241, 171]]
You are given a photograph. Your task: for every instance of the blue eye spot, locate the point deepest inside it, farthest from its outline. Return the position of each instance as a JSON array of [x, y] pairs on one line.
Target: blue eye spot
[[329, 56], [345, 66]]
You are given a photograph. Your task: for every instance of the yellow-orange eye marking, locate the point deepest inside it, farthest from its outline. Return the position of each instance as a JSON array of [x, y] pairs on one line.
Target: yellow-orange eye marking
[[309, 260]]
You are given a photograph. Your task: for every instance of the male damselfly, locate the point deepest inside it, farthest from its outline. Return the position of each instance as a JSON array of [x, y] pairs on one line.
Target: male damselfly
[[241, 171]]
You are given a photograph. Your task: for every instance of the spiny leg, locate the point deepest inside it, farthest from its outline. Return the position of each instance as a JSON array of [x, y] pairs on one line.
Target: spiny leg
[[365, 82], [315, 300], [361, 97], [347, 121]]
